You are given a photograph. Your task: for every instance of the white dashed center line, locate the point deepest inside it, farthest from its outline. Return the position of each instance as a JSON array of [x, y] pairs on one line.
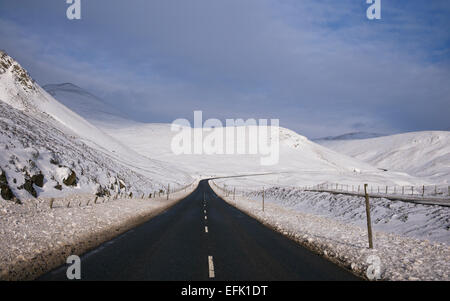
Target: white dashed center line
[[206, 217], [211, 267], [206, 229]]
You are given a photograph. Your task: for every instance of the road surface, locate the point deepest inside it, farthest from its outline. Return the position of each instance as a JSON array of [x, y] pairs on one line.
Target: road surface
[[203, 238]]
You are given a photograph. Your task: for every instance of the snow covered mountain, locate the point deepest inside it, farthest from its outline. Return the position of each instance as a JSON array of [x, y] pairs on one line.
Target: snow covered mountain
[[302, 162], [422, 154], [48, 150]]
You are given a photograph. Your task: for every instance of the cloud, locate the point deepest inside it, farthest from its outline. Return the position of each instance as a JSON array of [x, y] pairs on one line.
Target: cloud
[[319, 66]]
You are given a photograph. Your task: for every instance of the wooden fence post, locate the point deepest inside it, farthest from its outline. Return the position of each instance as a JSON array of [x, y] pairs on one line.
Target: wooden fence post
[[369, 222], [168, 190], [263, 200]]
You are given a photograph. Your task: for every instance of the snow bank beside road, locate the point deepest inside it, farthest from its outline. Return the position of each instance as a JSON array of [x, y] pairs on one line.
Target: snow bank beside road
[[403, 218], [36, 239], [402, 258]]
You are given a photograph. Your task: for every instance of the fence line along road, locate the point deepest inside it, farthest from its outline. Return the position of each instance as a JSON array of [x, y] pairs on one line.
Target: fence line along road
[[419, 198], [425, 195]]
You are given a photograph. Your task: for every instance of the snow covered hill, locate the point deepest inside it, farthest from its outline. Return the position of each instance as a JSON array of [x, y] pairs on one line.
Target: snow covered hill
[[422, 154], [302, 162], [48, 150]]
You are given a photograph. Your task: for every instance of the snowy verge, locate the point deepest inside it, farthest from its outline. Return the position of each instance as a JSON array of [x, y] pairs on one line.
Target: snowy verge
[[36, 239], [424, 200], [401, 258]]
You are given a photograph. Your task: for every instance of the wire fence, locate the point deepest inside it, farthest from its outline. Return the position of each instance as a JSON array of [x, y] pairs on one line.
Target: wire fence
[[89, 199], [424, 194], [424, 191]]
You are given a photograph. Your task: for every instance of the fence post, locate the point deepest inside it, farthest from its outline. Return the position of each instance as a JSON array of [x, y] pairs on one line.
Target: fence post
[[168, 190], [234, 193], [386, 189], [423, 190], [263, 200], [403, 190], [369, 222], [412, 190]]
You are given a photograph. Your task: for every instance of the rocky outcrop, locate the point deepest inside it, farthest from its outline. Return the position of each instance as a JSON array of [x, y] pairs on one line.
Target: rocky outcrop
[[38, 180], [20, 74], [5, 190], [28, 186], [71, 180]]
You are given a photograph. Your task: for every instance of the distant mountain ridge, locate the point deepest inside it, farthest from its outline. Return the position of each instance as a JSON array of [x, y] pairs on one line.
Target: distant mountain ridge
[[351, 136], [84, 103]]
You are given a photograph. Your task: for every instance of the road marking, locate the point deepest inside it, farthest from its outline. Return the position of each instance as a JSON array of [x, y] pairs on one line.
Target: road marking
[[206, 217], [204, 211], [211, 267], [206, 229]]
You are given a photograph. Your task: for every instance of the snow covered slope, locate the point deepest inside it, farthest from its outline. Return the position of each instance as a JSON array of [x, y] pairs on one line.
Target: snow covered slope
[[47, 149], [422, 154], [302, 162]]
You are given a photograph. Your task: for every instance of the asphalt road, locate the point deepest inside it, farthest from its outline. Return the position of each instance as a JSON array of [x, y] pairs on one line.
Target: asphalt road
[[203, 238]]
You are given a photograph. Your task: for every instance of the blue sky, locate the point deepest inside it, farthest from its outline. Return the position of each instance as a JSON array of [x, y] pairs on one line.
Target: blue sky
[[321, 67]]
